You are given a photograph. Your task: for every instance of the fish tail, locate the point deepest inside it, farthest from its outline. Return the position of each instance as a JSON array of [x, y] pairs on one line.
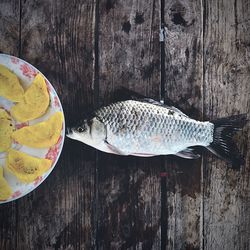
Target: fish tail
[[223, 144]]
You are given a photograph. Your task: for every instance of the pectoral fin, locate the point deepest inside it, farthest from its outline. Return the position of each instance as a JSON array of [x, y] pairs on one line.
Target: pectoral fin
[[114, 150]]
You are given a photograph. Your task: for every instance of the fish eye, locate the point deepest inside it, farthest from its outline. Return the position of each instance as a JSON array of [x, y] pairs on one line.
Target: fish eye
[[81, 129]]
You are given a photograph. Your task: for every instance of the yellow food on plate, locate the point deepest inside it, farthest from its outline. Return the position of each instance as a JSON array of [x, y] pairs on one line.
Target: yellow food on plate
[[5, 135], [6, 130], [10, 87], [4, 114], [5, 189], [35, 103], [41, 135], [25, 167]]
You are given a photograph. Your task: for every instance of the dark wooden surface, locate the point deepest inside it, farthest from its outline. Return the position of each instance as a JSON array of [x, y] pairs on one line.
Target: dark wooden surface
[[94, 200], [183, 67], [128, 187]]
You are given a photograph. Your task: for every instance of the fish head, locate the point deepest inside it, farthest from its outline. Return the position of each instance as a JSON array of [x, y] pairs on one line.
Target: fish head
[[89, 131]]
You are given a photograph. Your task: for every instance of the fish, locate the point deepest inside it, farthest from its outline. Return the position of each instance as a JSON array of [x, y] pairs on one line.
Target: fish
[[143, 127]]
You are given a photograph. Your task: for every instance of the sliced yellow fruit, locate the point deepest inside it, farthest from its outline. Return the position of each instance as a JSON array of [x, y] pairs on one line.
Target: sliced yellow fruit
[[41, 135], [6, 130], [5, 189], [10, 86], [4, 114], [25, 167], [35, 103]]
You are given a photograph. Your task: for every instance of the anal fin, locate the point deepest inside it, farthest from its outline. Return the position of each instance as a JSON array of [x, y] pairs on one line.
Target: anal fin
[[188, 153]]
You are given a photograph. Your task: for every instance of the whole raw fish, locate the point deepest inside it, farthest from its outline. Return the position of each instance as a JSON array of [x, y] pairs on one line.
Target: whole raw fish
[[145, 127]]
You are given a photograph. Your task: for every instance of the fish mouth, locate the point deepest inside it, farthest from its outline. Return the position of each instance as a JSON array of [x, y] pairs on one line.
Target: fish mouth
[[69, 132]]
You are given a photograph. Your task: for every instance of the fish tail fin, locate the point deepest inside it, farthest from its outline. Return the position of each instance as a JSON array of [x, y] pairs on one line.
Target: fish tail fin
[[223, 144]]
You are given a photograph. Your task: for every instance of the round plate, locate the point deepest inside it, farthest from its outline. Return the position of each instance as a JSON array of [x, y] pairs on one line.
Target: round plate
[[26, 73]]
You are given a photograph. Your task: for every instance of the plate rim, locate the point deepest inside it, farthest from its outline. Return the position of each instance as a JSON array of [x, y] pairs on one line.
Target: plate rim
[[63, 132]]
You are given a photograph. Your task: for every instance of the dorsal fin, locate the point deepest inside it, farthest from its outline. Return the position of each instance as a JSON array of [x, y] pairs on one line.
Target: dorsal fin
[[123, 94]]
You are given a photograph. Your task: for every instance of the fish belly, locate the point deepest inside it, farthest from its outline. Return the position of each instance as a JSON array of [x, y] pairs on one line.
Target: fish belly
[[164, 139]]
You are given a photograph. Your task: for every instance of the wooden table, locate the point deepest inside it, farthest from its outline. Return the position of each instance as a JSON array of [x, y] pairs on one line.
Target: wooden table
[[87, 49]]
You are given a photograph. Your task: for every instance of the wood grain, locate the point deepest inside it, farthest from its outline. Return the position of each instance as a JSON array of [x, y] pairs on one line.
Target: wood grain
[[129, 187], [183, 55], [227, 92], [10, 27]]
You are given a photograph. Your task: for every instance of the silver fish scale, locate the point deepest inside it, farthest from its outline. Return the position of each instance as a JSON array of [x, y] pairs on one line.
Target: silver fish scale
[[138, 127]]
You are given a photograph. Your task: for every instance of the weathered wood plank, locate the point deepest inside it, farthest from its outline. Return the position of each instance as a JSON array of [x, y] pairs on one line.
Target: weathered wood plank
[[183, 50], [8, 218], [57, 38], [129, 187], [227, 92], [9, 44], [9, 28]]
